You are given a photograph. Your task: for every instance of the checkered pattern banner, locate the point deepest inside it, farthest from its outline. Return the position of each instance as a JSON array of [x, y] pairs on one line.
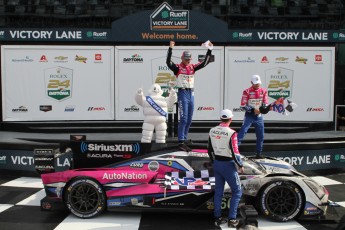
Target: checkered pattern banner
[[190, 180]]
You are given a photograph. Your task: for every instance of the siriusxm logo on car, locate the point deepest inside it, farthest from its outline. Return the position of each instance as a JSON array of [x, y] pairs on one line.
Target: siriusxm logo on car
[[91, 147]]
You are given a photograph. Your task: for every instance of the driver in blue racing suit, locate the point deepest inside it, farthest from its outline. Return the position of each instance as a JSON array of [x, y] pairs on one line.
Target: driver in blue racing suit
[[185, 72], [223, 151]]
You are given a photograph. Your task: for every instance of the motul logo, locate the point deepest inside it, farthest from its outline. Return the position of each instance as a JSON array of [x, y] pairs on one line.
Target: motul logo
[[205, 108], [315, 110]]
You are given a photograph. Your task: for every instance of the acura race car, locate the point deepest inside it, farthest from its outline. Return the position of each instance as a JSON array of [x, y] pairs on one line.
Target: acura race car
[[169, 179]]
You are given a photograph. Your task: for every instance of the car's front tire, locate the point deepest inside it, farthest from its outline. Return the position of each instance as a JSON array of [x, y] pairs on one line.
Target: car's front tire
[[85, 197], [281, 201]]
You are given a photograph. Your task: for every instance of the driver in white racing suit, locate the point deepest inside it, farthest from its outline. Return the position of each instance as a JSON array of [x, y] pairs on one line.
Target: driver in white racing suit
[[223, 151]]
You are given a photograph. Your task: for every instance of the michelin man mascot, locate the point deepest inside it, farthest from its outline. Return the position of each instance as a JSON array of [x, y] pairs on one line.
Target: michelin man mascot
[[155, 109]]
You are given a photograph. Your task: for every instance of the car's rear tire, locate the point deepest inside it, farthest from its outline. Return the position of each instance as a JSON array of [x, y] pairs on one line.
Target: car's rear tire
[[281, 201], [85, 197]]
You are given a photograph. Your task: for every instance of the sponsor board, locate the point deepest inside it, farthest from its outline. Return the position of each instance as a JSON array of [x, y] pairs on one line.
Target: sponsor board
[[304, 160]]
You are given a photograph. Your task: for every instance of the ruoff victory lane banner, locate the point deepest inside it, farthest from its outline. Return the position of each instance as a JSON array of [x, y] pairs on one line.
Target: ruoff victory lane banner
[[166, 24], [54, 35], [57, 83], [319, 36]]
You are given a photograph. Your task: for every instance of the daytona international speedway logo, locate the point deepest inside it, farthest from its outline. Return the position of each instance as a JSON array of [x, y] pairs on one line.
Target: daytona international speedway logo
[[58, 83], [279, 82]]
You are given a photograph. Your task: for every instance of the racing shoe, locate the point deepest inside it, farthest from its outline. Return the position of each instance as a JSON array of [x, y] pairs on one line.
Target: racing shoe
[[258, 156], [232, 223], [184, 147], [219, 221], [189, 142]]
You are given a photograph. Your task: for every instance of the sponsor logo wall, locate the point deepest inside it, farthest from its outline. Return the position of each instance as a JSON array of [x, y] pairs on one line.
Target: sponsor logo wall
[[141, 66], [57, 83], [305, 75], [99, 83]]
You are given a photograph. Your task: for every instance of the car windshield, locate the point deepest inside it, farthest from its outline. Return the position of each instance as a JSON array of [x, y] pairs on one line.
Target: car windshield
[[252, 168]]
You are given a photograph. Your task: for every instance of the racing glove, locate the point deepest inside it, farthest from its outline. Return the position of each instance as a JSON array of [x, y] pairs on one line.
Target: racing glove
[[264, 109], [248, 109], [290, 106]]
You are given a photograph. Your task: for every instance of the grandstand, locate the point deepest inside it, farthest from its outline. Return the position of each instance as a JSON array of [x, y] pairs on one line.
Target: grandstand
[[259, 14]]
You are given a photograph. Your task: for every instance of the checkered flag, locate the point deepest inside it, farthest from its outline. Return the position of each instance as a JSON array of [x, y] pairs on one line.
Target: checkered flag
[[190, 180]]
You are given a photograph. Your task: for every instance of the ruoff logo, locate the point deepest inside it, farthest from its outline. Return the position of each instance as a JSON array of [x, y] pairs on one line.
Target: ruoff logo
[[165, 18]]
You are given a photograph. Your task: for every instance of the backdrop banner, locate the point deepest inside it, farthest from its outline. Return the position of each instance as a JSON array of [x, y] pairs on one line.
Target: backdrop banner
[[304, 75], [42, 83]]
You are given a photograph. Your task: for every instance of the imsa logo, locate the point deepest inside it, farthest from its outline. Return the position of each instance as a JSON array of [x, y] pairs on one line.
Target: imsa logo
[[205, 108], [315, 110]]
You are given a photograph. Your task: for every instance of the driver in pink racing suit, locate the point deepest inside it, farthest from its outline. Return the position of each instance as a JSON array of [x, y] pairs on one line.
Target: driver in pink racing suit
[[252, 99]]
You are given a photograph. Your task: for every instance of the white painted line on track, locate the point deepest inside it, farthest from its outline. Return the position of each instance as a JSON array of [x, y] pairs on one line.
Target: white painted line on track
[[33, 200], [4, 207], [25, 182], [105, 221]]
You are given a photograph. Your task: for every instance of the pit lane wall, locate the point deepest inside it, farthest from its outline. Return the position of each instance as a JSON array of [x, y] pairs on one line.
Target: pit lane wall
[[85, 155]]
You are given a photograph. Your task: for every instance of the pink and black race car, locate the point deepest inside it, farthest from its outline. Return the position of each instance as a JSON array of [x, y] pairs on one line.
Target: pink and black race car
[[169, 179]]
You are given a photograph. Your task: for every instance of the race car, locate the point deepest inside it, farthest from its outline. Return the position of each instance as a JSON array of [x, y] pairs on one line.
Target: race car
[[169, 179]]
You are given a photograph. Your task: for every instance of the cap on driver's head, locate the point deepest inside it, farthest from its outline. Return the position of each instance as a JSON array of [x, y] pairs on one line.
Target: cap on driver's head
[[256, 79], [226, 114], [186, 55]]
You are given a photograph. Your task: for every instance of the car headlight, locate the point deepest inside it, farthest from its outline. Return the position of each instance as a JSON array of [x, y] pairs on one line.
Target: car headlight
[[316, 188]]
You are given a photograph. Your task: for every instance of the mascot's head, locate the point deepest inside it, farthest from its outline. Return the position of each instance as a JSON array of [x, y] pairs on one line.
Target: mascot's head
[[155, 90]]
